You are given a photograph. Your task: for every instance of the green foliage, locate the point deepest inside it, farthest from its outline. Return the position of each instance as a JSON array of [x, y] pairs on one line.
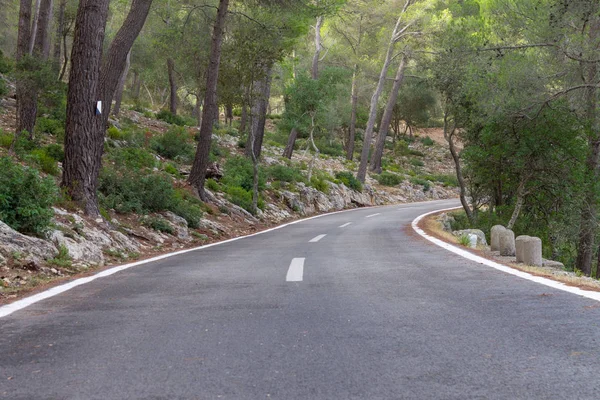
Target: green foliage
[[55, 151], [188, 207], [133, 158], [171, 169], [5, 64], [159, 224], [389, 179], [285, 174], [212, 185], [63, 259], [25, 198], [446, 180], [115, 133], [6, 139], [243, 198], [174, 145], [348, 179], [464, 240], [320, 184], [167, 116], [3, 87], [427, 141], [238, 171], [416, 162], [420, 181], [46, 163], [50, 126]]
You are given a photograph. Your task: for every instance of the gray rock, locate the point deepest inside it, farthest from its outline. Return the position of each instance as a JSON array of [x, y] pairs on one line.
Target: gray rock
[[80, 250], [507, 243], [30, 248], [446, 221], [477, 232], [495, 237], [553, 264], [179, 224]]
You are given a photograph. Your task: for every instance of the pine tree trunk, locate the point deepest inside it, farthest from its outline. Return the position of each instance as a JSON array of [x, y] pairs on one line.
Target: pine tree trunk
[[172, 86], [354, 105], [244, 118], [387, 119], [519, 203], [449, 136], [318, 47], [24, 120], [34, 27], [289, 148], [41, 48], [262, 94], [60, 28], [210, 110], [198, 108], [83, 147], [121, 86]]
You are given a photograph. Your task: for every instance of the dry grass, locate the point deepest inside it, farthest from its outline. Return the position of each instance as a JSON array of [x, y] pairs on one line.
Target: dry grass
[[434, 228]]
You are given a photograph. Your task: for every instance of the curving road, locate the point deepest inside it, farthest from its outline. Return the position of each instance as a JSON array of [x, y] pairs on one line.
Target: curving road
[[347, 306]]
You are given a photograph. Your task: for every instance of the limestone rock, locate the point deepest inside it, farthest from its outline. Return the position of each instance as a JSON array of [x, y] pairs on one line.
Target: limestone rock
[[30, 248], [495, 237], [532, 252], [477, 232], [507, 243], [446, 221], [179, 224], [519, 246], [81, 251]]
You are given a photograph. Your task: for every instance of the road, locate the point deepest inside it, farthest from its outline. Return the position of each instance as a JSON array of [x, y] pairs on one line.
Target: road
[[347, 306]]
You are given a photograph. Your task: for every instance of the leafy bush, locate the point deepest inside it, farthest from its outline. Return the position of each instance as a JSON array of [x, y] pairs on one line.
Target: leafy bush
[[44, 161], [417, 163], [23, 145], [212, 185], [63, 259], [188, 207], [159, 224], [285, 174], [174, 145], [55, 151], [320, 184], [238, 171], [115, 133], [446, 180], [6, 139], [348, 179], [3, 87], [167, 116], [5, 64], [330, 148], [389, 179], [243, 198], [171, 169], [427, 141], [25, 198], [131, 157], [419, 181], [50, 126]]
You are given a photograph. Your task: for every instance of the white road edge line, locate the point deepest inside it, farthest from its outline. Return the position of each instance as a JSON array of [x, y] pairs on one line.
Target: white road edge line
[[372, 215], [470, 256], [316, 239], [345, 225], [296, 271]]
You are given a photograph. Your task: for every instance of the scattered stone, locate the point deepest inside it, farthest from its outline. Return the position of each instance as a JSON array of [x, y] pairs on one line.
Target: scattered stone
[[30, 248], [477, 232], [446, 221], [179, 224], [553, 264]]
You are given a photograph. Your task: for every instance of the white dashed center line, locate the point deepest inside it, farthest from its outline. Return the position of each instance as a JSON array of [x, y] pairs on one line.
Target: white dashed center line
[[296, 271], [345, 225], [316, 239], [372, 215]]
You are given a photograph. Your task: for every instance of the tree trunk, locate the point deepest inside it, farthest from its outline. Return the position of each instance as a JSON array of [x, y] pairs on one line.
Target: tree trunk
[[84, 139], [318, 47], [198, 107], [63, 71], [519, 203], [587, 230], [449, 136], [314, 146], [34, 27], [136, 86], [201, 160], [121, 86], [41, 46], [387, 119], [83, 147], [60, 28], [262, 93], [25, 122], [289, 148], [229, 114], [172, 86], [368, 136], [244, 118], [354, 105]]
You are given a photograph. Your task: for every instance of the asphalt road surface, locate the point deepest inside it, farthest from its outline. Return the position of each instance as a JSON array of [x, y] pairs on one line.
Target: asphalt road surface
[[347, 306]]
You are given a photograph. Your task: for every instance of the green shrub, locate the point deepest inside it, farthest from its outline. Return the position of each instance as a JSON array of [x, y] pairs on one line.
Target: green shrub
[[348, 179], [416, 153], [115, 133], [320, 184], [217, 151], [158, 224], [188, 207], [131, 157], [285, 174], [464, 240], [167, 116], [44, 161], [3, 87], [5, 64], [171, 169], [55, 151], [416, 162], [6, 139], [23, 145], [243, 198], [446, 180], [50, 126], [25, 198], [419, 181], [330, 148], [389, 179], [63, 259], [427, 141], [174, 145], [212, 185], [239, 171]]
